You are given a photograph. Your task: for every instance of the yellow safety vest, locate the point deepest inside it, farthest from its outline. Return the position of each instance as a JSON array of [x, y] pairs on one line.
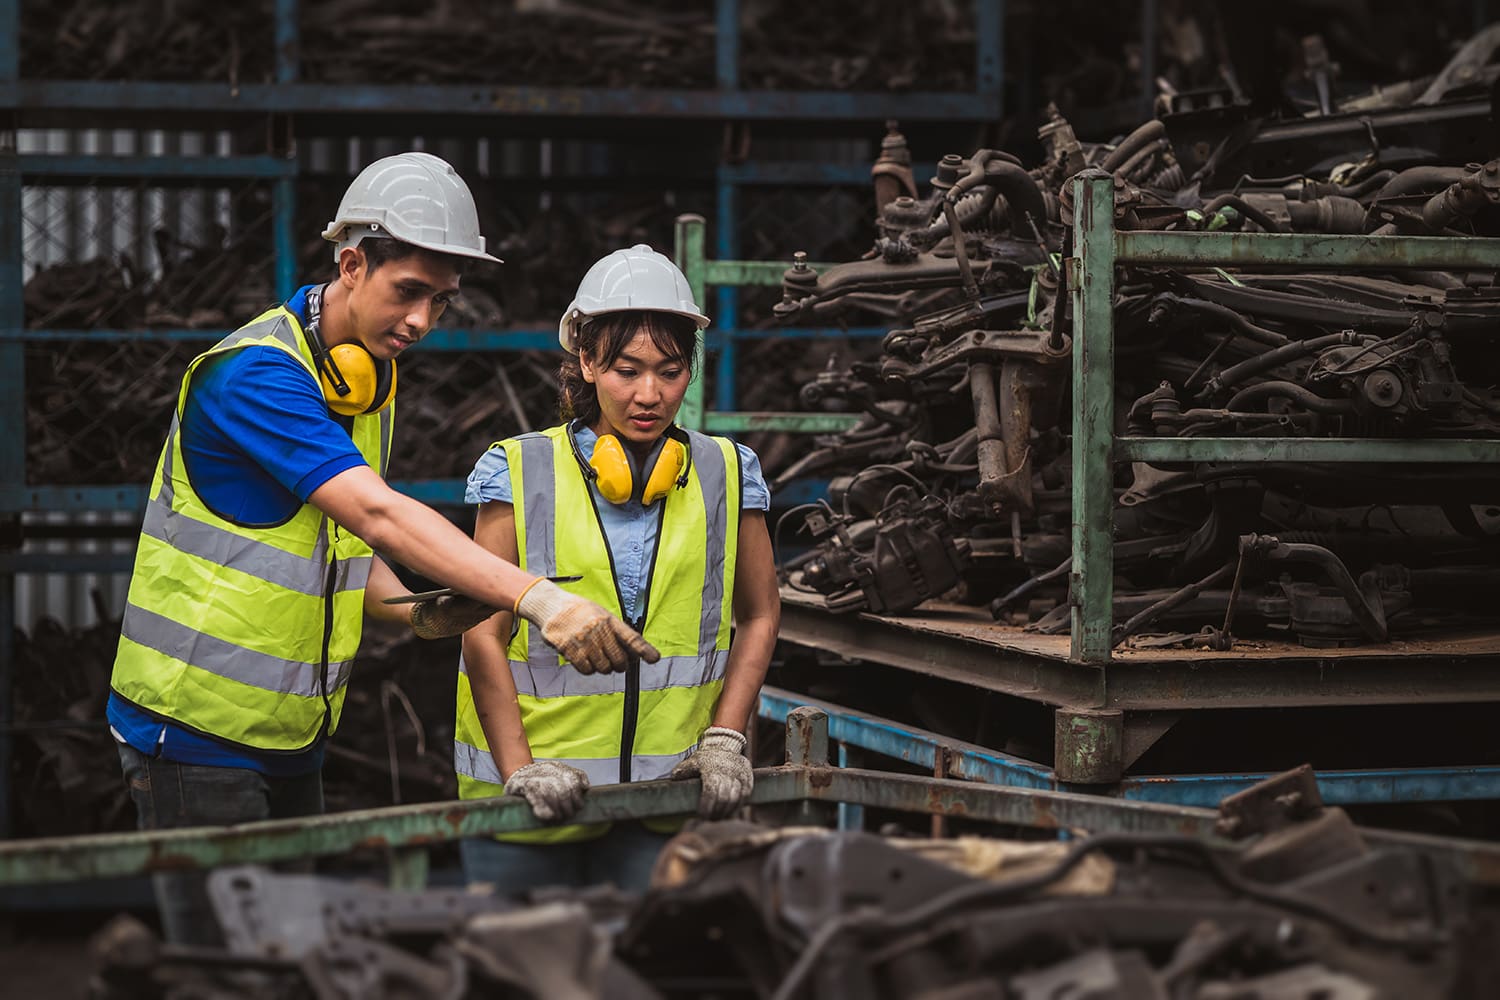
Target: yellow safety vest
[[638, 724], [243, 633]]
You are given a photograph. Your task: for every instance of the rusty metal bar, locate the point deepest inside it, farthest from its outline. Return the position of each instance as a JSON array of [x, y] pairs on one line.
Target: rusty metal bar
[[1304, 250], [66, 859], [1091, 282], [1214, 449]]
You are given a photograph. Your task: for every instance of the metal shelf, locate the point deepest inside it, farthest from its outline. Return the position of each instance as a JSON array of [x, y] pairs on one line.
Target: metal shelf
[[1099, 250], [28, 102]]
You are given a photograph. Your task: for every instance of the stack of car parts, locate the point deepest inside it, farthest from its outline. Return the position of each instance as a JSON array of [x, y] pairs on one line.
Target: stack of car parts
[[1300, 906], [956, 480]]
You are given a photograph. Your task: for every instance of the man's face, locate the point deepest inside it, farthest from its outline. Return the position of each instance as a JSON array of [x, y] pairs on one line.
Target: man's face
[[399, 302]]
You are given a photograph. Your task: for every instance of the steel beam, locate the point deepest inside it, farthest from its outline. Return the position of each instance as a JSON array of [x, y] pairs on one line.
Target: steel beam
[[921, 748], [155, 168], [805, 423], [429, 100], [802, 173], [1092, 286], [689, 255], [1029, 807], [1306, 250], [65, 859], [12, 378], [1216, 449], [918, 747]]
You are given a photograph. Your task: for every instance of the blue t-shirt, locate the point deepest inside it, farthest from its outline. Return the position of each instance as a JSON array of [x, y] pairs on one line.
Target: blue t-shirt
[[630, 528], [257, 441]]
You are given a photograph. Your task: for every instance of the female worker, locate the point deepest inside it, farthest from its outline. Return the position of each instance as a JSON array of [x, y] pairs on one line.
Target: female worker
[[664, 526]]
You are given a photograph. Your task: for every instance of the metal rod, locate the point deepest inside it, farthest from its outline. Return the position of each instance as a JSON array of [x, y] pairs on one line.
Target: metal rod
[[920, 748], [1092, 285], [1214, 449], [989, 48], [7, 701], [68, 859], [500, 102], [727, 44], [690, 257], [284, 215], [1148, 58], [12, 380], [288, 42], [726, 317], [1307, 250]]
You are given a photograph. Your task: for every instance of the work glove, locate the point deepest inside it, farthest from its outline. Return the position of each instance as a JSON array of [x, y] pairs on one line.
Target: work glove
[[440, 617], [587, 636], [727, 777], [554, 791]]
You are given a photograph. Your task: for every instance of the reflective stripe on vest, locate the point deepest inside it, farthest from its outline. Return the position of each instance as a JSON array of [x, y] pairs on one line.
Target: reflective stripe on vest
[[245, 633], [580, 719]]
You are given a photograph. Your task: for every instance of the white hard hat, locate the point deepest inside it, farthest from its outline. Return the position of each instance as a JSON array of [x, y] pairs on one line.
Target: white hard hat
[[637, 278], [416, 198]]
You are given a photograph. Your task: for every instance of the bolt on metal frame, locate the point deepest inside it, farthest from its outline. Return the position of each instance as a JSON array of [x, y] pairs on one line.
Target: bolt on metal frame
[[1099, 249]]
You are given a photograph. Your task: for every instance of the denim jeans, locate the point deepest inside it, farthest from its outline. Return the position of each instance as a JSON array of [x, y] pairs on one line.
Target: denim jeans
[[169, 795], [625, 856]]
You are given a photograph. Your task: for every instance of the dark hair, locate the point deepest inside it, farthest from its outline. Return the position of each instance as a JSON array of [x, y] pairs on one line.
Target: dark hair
[[383, 250], [604, 339]]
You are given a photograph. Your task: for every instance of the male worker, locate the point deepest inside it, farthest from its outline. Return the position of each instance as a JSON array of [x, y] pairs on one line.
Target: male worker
[[256, 561]]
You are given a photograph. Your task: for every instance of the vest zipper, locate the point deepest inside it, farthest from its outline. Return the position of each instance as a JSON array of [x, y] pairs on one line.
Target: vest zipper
[[633, 672], [629, 716], [329, 590]]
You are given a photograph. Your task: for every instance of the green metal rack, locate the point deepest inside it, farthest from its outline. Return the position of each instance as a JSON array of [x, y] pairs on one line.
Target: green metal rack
[[1099, 249], [701, 273]]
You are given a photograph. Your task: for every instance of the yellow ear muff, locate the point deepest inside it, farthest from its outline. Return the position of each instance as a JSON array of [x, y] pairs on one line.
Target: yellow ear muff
[[613, 469], [371, 385], [664, 473], [615, 476]]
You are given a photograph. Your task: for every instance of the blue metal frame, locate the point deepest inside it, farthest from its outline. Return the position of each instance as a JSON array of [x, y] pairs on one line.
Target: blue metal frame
[[12, 377], [975, 763], [989, 75], [495, 101]]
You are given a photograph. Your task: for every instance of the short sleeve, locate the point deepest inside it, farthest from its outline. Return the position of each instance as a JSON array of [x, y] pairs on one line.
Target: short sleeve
[[490, 480], [754, 493], [261, 403]]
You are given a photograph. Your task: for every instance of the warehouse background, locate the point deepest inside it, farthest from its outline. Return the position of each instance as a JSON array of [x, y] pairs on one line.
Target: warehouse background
[[172, 164]]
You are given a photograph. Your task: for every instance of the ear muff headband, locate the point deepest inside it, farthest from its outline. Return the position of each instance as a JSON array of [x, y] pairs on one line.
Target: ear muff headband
[[613, 469], [353, 382]]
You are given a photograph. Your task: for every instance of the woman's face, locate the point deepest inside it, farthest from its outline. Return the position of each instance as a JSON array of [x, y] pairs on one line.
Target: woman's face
[[639, 393]]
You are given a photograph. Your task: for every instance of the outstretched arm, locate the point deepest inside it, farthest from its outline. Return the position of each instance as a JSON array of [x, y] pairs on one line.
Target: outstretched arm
[[419, 537]]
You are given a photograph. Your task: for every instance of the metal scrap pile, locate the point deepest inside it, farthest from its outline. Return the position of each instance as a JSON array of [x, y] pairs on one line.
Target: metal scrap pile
[[139, 40], [957, 480], [394, 744], [98, 412], [1303, 908]]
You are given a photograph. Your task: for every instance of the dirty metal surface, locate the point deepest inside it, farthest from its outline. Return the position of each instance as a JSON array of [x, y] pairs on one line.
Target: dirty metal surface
[[960, 643]]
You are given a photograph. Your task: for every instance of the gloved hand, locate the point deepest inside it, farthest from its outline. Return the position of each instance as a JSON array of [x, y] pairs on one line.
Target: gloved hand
[[440, 617], [727, 776], [587, 636], [554, 791]]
